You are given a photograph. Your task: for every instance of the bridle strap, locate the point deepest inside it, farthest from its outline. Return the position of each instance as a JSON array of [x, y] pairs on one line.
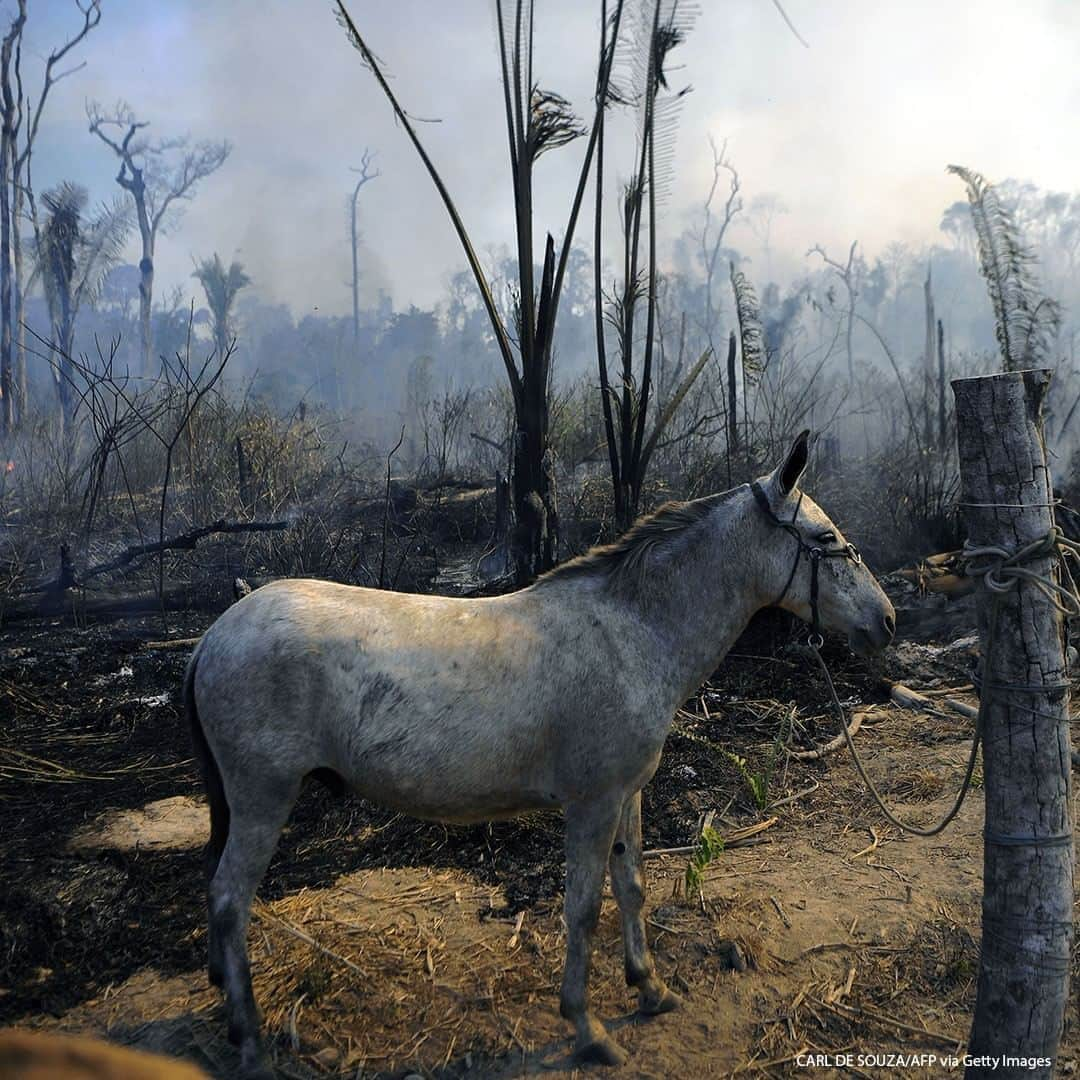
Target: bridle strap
[[813, 552], [787, 526]]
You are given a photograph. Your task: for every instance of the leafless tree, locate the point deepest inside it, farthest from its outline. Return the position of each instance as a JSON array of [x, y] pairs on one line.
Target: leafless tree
[[537, 121], [21, 121], [10, 114], [764, 210], [156, 174], [366, 175], [717, 220], [846, 272], [630, 448]]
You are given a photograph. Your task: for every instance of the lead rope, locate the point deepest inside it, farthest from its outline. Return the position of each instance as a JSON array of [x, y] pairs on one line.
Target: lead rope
[[1001, 573]]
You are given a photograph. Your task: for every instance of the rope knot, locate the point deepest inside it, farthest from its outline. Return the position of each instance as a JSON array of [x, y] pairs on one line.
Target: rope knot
[[1002, 570]]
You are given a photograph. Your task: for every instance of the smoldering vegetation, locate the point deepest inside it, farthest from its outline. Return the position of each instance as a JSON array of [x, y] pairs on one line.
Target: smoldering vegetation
[[165, 449], [251, 416], [541, 404]]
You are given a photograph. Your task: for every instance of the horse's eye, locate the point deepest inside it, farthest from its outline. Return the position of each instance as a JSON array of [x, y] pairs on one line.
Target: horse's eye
[[827, 538]]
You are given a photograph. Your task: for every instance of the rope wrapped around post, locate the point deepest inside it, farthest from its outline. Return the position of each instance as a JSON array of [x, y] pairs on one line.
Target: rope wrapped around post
[[1001, 571]]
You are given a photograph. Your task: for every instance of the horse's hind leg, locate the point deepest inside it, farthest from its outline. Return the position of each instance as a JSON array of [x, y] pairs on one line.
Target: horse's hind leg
[[628, 884], [215, 847], [590, 830], [254, 829]]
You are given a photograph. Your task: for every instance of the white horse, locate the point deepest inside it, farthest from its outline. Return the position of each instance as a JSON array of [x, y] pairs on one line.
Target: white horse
[[463, 710]]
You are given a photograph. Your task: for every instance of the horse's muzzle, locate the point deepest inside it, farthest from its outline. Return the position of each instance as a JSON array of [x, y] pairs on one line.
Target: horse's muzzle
[[874, 636]]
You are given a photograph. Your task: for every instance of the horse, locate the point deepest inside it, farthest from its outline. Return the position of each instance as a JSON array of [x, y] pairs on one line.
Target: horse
[[559, 695]]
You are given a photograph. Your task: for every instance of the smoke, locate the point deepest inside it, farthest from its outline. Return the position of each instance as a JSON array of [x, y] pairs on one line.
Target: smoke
[[852, 134]]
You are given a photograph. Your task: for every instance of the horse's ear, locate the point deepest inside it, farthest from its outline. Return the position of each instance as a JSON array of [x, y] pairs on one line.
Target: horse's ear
[[792, 469]]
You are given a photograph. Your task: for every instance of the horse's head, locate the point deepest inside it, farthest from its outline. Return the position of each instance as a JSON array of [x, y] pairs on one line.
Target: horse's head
[[818, 575]]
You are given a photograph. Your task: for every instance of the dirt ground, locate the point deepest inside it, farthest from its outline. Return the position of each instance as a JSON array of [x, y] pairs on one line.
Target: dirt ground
[[385, 947]]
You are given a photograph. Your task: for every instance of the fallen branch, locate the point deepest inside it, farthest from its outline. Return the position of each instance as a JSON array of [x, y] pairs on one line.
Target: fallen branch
[[185, 541], [105, 605], [737, 838], [67, 579], [907, 698], [940, 573], [832, 744], [173, 643], [794, 798]]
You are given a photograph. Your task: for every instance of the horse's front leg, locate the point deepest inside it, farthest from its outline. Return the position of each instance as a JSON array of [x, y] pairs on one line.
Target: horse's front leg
[[590, 829], [628, 884]]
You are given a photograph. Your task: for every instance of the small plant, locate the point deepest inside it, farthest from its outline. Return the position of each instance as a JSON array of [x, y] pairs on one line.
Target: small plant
[[758, 782], [710, 845]]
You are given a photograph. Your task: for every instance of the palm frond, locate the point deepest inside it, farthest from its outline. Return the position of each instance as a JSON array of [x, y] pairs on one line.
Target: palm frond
[[552, 123], [221, 286], [102, 245], [671, 407], [1025, 320], [60, 239], [751, 335]]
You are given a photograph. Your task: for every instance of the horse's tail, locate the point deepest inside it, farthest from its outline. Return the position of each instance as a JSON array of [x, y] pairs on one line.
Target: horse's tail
[[211, 774]]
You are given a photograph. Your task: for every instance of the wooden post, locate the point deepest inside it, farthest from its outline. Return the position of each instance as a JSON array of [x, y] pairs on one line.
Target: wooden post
[[1028, 845]]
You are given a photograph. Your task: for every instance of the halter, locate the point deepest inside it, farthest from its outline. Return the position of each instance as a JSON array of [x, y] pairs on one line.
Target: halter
[[814, 553]]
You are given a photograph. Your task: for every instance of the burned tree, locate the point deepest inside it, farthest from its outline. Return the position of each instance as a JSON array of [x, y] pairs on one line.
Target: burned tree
[[366, 176], [1025, 320], [626, 406], [8, 117], [73, 256], [848, 273], [751, 354], [156, 174], [21, 116], [221, 287], [537, 121], [715, 225]]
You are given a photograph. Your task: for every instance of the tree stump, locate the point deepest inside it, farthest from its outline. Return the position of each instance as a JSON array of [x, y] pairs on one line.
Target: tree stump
[[1028, 843]]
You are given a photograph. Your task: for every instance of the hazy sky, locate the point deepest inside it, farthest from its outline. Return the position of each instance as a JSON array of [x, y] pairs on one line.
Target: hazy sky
[[852, 134]]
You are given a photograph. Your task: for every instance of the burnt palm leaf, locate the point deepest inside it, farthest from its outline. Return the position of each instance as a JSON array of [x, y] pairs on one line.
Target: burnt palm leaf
[[552, 123], [666, 36], [751, 335], [1025, 320]]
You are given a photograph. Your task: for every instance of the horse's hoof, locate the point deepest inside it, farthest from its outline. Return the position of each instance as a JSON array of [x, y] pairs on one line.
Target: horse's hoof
[[254, 1064], [601, 1051], [666, 1002]]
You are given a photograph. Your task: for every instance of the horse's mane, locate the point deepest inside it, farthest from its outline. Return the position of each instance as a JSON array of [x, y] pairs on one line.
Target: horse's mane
[[647, 534]]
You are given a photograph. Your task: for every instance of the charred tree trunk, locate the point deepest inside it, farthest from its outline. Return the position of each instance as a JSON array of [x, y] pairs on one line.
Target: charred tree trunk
[[7, 381], [733, 399], [19, 281], [1028, 846], [7, 139], [354, 244], [535, 536], [242, 473], [366, 175], [943, 435], [502, 507], [928, 359], [146, 300]]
